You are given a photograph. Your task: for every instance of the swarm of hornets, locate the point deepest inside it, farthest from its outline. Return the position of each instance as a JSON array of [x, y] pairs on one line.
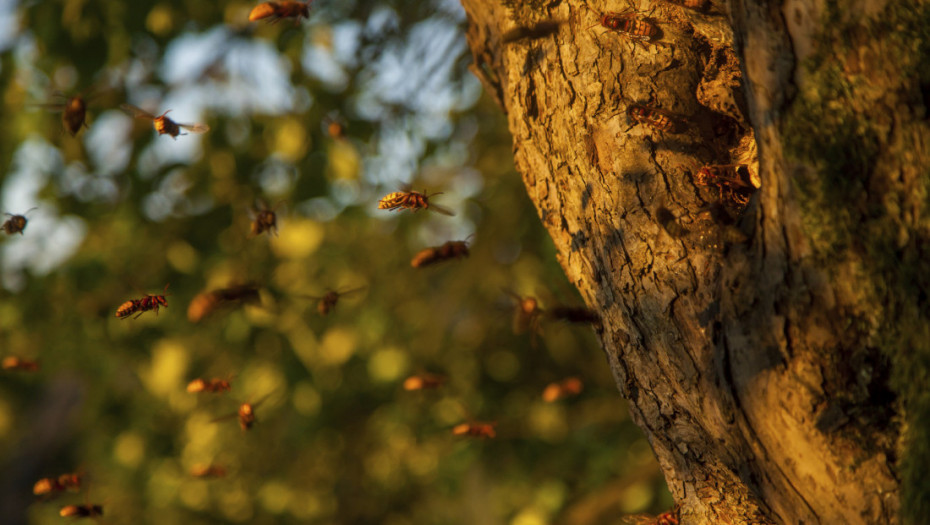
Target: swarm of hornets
[[732, 181]]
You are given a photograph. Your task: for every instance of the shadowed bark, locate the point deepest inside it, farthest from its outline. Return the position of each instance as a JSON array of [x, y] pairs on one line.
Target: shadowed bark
[[754, 313]]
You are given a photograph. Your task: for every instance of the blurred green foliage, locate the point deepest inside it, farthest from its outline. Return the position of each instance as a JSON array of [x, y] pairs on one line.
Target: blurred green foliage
[[122, 212]]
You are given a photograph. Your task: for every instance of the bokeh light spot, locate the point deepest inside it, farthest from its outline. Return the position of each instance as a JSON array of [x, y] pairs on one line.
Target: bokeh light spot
[[338, 345], [194, 494], [236, 505], [344, 162], [502, 365], [129, 449], [290, 140], [529, 517], [306, 505], [167, 368], [6, 417], [158, 20], [547, 421], [307, 400], [182, 256], [551, 495], [275, 496], [387, 364], [297, 239], [636, 498]]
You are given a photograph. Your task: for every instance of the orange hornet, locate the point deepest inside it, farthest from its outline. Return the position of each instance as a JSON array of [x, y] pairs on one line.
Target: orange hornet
[[278, 10], [164, 125]]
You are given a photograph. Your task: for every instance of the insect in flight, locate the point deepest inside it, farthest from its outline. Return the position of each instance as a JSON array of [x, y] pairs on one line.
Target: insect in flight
[[17, 363], [164, 125], [205, 303], [526, 314], [81, 511], [335, 126], [478, 430], [568, 387], [149, 302], [435, 254], [49, 486], [670, 517], [245, 414], [209, 385], [208, 471], [279, 10], [424, 382], [73, 111], [573, 314], [74, 115], [264, 219], [328, 301], [15, 223], [411, 200]]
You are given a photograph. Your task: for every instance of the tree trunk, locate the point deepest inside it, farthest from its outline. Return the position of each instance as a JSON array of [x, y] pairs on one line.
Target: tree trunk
[[763, 337]]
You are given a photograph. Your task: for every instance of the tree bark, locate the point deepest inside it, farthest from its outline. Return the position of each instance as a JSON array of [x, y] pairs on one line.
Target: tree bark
[[755, 332]]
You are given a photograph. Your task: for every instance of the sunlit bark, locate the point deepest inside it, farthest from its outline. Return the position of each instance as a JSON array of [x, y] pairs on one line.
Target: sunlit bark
[[755, 342]]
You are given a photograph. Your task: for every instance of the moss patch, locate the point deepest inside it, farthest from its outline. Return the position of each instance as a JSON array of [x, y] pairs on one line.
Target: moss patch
[[840, 125], [824, 128]]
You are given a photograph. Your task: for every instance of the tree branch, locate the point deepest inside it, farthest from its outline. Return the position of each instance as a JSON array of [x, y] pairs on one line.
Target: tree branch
[[720, 324]]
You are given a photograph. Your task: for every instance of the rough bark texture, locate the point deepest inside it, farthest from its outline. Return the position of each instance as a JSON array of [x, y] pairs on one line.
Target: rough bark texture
[[753, 341]]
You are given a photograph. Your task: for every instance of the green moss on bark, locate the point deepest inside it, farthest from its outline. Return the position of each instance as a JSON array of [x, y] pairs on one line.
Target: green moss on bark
[[841, 127]]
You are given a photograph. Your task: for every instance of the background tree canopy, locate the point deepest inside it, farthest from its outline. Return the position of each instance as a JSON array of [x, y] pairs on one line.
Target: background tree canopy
[[121, 212]]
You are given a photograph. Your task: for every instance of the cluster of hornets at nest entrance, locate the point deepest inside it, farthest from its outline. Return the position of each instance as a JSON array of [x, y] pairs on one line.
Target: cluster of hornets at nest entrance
[[733, 181]]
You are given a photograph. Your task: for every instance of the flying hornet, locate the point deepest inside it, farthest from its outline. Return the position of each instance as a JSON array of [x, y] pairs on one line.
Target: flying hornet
[[164, 125]]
